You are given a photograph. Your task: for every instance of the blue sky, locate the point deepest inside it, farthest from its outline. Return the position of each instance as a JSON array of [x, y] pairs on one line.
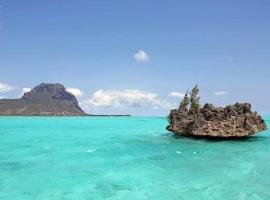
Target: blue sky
[[224, 46]]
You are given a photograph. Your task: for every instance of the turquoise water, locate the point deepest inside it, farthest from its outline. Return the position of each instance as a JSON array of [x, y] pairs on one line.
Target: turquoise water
[[88, 158]]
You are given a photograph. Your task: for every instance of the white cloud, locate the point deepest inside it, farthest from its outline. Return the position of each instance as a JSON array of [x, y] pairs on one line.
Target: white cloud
[[126, 98], [141, 56], [75, 91], [219, 93], [24, 90], [5, 87], [176, 94]]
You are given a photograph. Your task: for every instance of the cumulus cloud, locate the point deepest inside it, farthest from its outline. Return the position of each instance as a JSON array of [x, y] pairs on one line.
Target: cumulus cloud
[[141, 56], [126, 98], [220, 93], [75, 91], [24, 90], [5, 87], [176, 94]]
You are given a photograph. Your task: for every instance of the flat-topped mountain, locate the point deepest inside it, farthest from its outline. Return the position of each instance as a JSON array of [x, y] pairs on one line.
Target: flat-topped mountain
[[190, 119], [43, 100]]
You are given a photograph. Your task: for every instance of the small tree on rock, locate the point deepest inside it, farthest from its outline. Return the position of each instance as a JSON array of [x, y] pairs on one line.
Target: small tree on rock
[[184, 103], [195, 99]]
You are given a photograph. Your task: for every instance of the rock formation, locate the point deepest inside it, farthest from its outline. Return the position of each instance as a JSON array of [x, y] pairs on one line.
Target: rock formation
[[236, 120], [43, 100]]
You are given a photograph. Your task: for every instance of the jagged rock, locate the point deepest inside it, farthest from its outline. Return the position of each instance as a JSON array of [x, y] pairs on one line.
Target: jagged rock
[[236, 120], [43, 100]]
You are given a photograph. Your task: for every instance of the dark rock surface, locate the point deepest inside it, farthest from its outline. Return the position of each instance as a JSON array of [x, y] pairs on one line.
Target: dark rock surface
[[236, 120], [43, 100]]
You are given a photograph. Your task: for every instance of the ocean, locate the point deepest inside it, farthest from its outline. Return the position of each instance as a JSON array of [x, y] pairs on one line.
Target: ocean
[[126, 158]]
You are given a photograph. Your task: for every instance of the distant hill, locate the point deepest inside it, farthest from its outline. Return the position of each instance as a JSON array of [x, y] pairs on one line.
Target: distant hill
[[43, 100]]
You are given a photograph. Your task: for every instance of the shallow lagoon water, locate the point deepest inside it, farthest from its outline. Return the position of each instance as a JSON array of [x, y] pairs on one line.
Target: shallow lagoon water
[[131, 158]]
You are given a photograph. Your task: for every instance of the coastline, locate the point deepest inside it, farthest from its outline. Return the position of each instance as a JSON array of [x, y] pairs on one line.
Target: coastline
[[87, 115]]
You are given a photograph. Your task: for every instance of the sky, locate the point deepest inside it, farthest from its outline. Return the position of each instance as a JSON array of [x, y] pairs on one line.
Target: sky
[[138, 56]]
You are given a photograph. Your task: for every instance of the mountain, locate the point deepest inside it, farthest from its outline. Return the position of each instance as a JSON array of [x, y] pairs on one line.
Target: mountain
[[45, 99]]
